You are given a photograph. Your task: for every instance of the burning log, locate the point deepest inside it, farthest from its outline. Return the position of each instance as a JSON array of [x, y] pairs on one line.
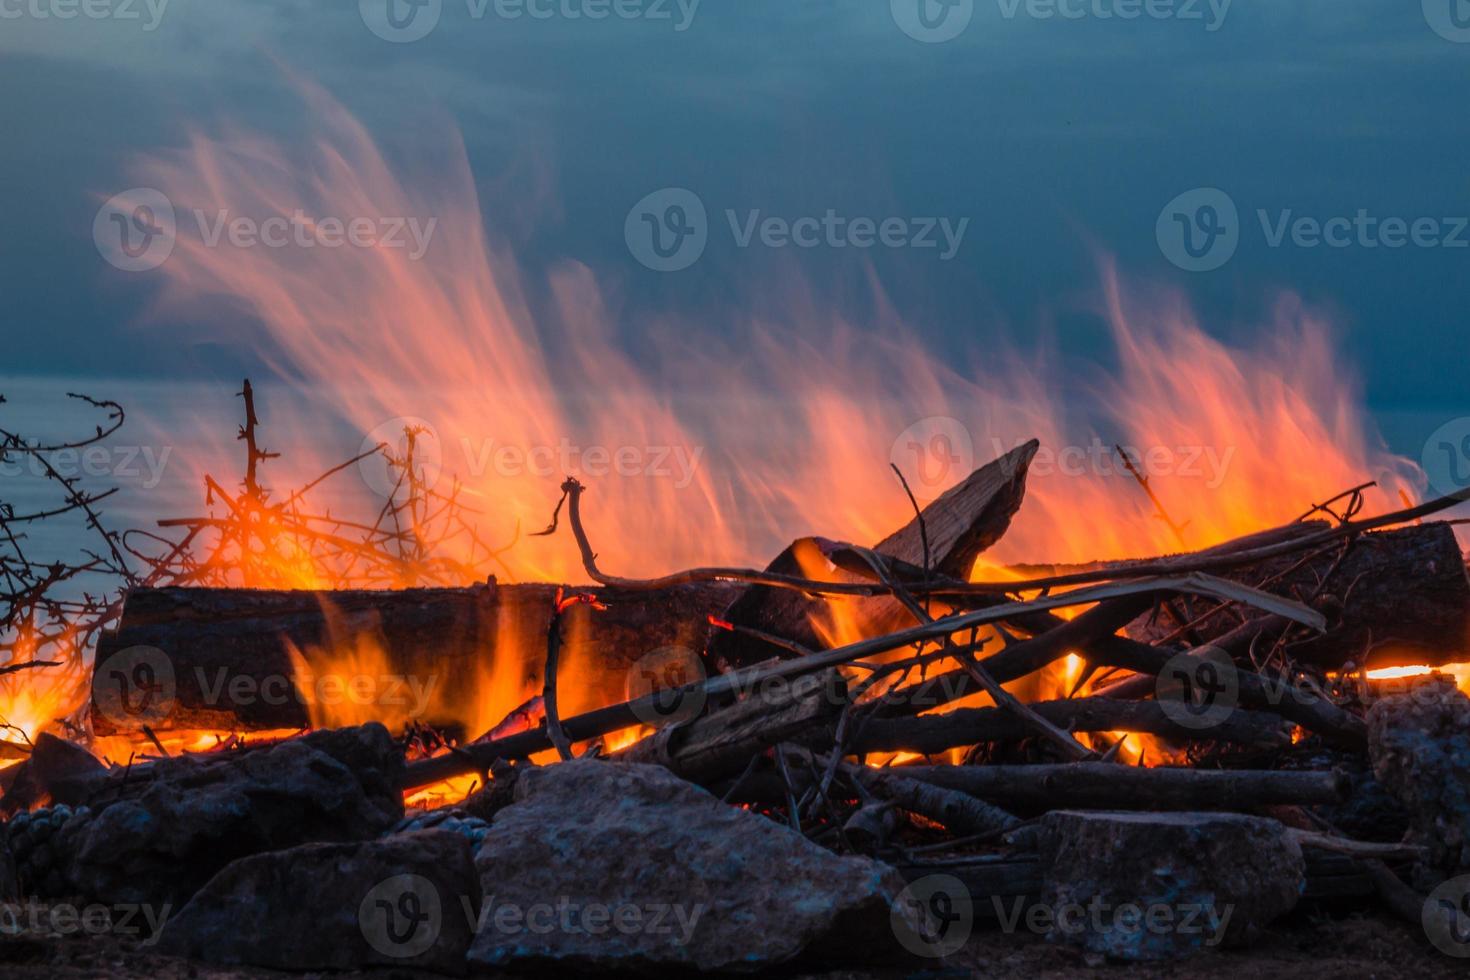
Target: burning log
[[723, 742], [226, 650], [641, 710], [970, 726], [943, 541], [1407, 589]]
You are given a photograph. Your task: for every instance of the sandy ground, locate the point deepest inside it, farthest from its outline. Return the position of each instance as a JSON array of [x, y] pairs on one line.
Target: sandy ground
[[1302, 948]]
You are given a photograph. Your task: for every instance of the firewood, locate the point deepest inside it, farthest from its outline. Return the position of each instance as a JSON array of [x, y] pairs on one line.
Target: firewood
[[1107, 786], [220, 641], [963, 522], [721, 743], [471, 758], [960, 813], [1405, 589], [970, 726]]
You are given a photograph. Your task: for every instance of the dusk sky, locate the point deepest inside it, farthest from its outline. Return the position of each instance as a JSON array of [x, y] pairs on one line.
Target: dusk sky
[[1040, 144]]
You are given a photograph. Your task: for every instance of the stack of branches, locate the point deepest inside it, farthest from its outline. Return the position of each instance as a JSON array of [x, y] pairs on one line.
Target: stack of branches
[[420, 536], [53, 611], [1226, 657]]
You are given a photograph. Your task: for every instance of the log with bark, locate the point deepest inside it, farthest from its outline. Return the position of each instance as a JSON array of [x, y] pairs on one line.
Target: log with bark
[[1391, 597], [230, 667]]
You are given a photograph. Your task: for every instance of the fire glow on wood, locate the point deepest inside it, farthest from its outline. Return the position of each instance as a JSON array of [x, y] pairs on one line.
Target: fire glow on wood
[[953, 656]]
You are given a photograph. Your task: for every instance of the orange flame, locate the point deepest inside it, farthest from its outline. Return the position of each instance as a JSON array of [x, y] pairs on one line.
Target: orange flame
[[794, 423]]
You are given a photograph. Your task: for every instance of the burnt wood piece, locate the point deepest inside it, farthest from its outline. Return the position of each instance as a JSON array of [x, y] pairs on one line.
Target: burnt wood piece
[[226, 654], [970, 726], [960, 813], [721, 743], [1110, 786], [963, 522], [1405, 590]]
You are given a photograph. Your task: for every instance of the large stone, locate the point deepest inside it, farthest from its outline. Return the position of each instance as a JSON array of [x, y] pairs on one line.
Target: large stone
[[38, 780], [169, 833], [622, 866], [403, 901], [1419, 743], [1154, 886]]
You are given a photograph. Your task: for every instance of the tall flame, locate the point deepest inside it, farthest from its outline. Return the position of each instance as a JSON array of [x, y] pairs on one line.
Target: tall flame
[[794, 421]]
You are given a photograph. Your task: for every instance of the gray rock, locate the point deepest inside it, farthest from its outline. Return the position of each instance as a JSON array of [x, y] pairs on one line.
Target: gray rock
[[169, 833], [1419, 744], [402, 901], [1155, 886], [620, 866], [41, 777]]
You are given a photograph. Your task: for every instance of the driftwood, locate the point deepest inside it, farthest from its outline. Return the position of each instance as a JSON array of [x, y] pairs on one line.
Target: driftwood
[[472, 758], [721, 743], [1405, 591], [960, 813], [969, 726], [1107, 786], [228, 655], [952, 532]]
